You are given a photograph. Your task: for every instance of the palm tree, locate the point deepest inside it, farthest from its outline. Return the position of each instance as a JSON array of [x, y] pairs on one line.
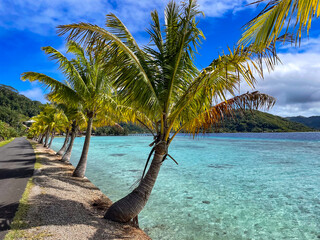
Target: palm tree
[[78, 121], [162, 85], [69, 112], [292, 16], [86, 85], [50, 120], [58, 125], [65, 143]]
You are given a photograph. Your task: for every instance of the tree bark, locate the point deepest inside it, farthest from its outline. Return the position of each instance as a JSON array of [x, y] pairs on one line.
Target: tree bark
[[52, 137], [66, 156], [41, 138], [64, 146], [130, 206], [82, 165], [47, 139]]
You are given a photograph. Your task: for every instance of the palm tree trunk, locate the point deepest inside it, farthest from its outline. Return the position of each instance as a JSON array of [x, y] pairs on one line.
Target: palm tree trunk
[[66, 156], [64, 146], [41, 138], [52, 137], [82, 165], [47, 139], [130, 206]]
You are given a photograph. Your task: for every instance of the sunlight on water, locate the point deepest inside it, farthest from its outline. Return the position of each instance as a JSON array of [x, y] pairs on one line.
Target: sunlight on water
[[229, 187]]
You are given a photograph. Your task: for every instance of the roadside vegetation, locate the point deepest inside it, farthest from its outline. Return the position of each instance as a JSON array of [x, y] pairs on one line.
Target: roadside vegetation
[[14, 110], [2, 143]]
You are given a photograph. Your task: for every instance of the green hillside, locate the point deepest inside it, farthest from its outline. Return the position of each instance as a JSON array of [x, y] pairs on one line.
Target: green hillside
[[254, 121], [14, 107], [313, 122], [257, 121]]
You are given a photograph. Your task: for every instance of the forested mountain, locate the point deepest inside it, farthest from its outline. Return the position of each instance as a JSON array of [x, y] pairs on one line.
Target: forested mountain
[[251, 121], [313, 122], [14, 107], [256, 121]]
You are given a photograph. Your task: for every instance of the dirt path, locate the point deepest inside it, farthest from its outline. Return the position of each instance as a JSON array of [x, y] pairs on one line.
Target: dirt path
[[63, 207]]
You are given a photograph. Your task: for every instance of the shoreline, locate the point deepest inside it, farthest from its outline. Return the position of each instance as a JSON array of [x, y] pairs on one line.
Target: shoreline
[[64, 207]]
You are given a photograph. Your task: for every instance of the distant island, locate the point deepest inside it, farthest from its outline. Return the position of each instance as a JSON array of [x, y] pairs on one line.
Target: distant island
[[16, 109]]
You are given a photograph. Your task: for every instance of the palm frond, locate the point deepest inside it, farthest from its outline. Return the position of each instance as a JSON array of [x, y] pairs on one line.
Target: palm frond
[[214, 115], [265, 28], [67, 68], [93, 35]]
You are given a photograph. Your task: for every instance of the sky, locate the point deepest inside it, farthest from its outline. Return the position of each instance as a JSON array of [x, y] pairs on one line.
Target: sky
[[28, 25]]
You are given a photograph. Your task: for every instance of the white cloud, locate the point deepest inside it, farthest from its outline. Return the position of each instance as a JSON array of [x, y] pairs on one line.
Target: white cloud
[[35, 94], [296, 82], [219, 8], [42, 16]]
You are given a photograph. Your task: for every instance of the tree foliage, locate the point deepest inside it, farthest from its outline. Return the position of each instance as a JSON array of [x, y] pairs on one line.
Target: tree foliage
[[288, 17], [15, 107]]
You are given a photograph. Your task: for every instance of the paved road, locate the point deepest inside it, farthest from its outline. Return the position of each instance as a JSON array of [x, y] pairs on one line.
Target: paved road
[[17, 159]]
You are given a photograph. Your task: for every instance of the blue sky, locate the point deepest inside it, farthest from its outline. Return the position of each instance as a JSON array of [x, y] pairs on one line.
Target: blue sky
[[28, 25]]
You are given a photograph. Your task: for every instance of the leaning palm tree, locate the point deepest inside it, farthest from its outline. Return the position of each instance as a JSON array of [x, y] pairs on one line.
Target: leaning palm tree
[[58, 124], [48, 121], [69, 113], [86, 85], [78, 121], [161, 84], [280, 17]]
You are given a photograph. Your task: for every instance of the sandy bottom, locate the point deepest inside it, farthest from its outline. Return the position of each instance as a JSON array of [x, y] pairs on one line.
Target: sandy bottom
[[63, 207]]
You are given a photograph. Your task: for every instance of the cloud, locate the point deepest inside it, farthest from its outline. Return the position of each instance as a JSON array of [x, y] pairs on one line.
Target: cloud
[[220, 8], [295, 83], [43, 16], [35, 94]]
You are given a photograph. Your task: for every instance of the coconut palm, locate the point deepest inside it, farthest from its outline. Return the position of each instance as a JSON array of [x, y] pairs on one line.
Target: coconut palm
[[65, 142], [72, 115], [280, 16], [162, 85], [86, 85], [49, 121], [78, 121]]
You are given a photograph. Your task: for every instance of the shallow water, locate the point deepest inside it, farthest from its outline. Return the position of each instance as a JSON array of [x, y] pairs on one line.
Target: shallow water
[[226, 186]]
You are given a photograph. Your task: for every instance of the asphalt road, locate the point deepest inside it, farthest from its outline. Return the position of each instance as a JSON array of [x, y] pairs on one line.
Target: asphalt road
[[17, 160]]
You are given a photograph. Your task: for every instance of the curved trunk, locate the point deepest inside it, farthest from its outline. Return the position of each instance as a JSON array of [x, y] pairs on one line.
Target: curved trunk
[[41, 138], [47, 139], [82, 165], [52, 137], [64, 146], [67, 154], [130, 206]]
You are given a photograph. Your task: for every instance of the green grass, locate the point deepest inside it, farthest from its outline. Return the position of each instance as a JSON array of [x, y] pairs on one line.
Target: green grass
[[20, 222], [5, 142]]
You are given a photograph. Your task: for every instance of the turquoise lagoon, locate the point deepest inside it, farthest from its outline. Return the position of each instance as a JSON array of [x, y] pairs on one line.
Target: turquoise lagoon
[[226, 186]]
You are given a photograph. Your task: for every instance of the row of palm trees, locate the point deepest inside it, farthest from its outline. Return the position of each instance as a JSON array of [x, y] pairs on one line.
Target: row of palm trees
[[111, 79]]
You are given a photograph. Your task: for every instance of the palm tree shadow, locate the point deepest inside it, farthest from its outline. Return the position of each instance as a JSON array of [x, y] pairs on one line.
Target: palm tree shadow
[[7, 213], [24, 172]]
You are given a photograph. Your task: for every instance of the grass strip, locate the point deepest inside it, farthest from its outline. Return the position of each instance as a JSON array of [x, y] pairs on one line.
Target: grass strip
[[38, 164], [19, 221], [6, 142]]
